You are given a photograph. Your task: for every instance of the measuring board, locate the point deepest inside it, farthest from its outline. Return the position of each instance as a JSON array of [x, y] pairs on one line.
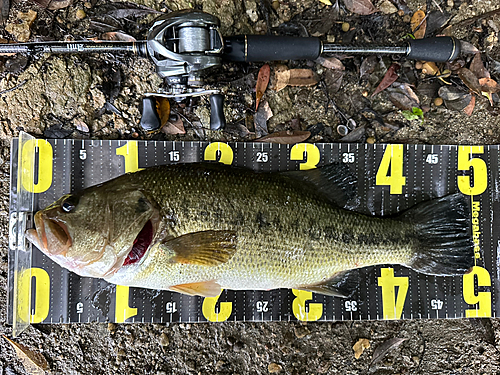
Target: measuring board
[[390, 179]]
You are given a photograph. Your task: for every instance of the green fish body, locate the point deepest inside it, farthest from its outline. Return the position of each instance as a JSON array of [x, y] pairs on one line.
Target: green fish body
[[198, 228]]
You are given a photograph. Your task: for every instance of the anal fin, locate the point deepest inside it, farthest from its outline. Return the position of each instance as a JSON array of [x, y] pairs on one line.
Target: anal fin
[[342, 284], [204, 289]]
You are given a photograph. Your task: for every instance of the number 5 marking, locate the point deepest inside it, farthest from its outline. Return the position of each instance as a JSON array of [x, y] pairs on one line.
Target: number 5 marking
[[482, 299], [479, 170]]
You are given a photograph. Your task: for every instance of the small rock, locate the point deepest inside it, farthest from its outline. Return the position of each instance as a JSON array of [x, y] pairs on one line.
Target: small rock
[[81, 126], [438, 102], [330, 38], [164, 341], [21, 28], [111, 326], [301, 331], [370, 140], [80, 14], [274, 368], [345, 27], [87, 4], [387, 7]]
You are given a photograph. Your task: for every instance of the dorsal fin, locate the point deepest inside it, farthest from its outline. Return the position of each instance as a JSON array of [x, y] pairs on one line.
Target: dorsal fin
[[334, 181]]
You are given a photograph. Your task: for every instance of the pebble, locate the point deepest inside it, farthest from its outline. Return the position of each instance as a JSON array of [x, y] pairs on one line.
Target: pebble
[[301, 331], [387, 7], [164, 341], [345, 27], [80, 14], [111, 327], [274, 368], [370, 140], [438, 102], [87, 4]]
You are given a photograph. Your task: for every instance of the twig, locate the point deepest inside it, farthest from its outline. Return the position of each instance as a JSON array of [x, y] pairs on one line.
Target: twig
[[471, 20], [14, 88]]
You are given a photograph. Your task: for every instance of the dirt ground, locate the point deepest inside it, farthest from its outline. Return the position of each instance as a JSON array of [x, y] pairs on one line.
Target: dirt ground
[[98, 97]]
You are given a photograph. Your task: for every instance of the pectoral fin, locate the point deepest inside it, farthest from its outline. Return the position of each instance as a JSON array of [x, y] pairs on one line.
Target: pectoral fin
[[208, 248], [343, 284], [204, 289]]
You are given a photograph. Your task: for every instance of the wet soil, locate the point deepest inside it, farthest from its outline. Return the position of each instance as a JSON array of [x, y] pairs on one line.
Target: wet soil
[[98, 97]]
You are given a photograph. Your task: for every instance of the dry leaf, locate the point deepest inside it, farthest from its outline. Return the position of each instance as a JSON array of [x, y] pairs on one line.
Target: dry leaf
[[163, 109], [470, 80], [363, 7], [327, 2], [281, 77], [53, 4], [302, 77], [385, 347], [390, 77], [368, 65], [286, 137], [293, 77], [116, 35], [470, 107], [360, 347], [263, 114], [488, 86], [418, 24], [330, 63], [33, 362], [467, 48], [477, 67], [262, 82], [174, 127]]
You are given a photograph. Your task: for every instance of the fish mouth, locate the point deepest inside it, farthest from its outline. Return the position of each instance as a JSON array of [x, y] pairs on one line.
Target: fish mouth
[[53, 235], [141, 244]]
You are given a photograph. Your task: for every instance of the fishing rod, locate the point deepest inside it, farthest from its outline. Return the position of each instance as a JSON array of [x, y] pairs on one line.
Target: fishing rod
[[187, 45]]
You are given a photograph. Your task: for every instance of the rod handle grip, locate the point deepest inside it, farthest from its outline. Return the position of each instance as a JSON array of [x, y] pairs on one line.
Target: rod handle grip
[[150, 119], [437, 49], [217, 119], [245, 48]]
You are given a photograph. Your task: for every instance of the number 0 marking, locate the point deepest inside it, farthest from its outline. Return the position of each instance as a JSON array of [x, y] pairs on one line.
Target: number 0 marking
[[40, 310], [122, 309], [208, 309], [223, 149], [27, 165], [301, 311], [482, 299], [393, 160]]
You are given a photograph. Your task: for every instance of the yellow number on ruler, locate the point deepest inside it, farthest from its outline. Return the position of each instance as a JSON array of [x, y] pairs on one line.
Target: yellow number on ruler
[[208, 309], [45, 157], [393, 159], [223, 149], [40, 310], [392, 305], [482, 299], [300, 310], [480, 171], [130, 152], [122, 309], [312, 155]]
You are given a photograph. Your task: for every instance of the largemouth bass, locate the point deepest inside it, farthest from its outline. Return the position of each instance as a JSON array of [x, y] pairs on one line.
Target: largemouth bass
[[198, 228]]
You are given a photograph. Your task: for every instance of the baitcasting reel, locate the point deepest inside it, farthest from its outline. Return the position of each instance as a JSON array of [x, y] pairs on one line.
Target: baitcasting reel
[[186, 45]]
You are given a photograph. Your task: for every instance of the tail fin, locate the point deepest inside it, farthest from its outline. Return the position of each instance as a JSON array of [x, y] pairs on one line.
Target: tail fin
[[442, 229]]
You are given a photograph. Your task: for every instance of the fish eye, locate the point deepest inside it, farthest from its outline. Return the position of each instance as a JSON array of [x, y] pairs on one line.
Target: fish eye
[[69, 203]]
